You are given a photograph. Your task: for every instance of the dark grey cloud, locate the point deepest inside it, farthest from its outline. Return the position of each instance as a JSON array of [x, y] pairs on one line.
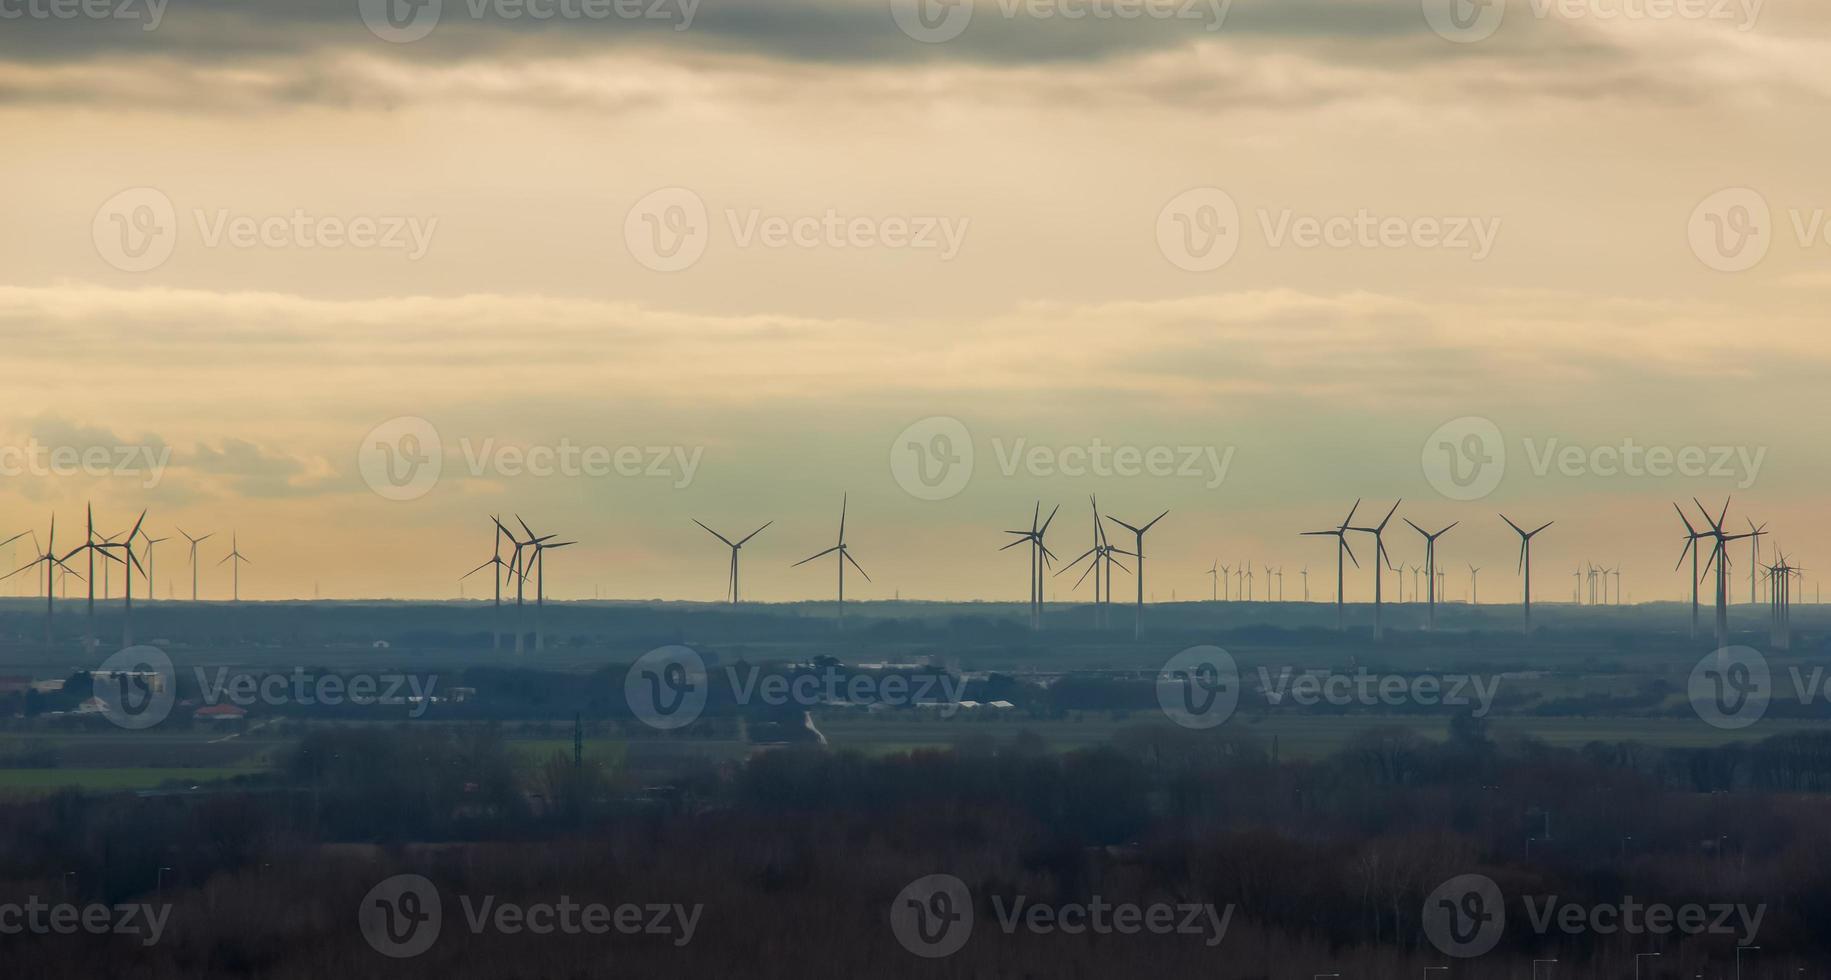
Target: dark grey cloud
[[821, 31]]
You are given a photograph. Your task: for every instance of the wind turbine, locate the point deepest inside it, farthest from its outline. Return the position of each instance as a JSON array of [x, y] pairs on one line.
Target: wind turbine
[[1525, 560], [93, 547], [1101, 553], [1340, 534], [194, 543], [1719, 555], [498, 564], [845, 555], [1379, 555], [734, 546], [1430, 562], [1754, 555], [539, 561], [150, 541], [51, 563], [235, 555], [1474, 593], [127, 572], [1040, 556], [521, 580], [1214, 581], [1138, 536], [1306, 583]]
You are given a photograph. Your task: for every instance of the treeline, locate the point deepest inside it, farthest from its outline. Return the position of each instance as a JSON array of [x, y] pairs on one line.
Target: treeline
[[797, 854]]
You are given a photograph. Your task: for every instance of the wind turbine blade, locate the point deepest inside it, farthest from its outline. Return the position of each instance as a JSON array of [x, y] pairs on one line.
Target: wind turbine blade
[[479, 568], [1013, 544], [847, 555], [714, 533], [1077, 561], [844, 499], [1045, 528], [1447, 529], [1415, 527], [812, 557], [1541, 527], [137, 525], [1122, 524], [1388, 517], [1345, 546], [1689, 544], [1084, 572], [1516, 528], [226, 558], [1154, 520], [753, 534], [1350, 518]]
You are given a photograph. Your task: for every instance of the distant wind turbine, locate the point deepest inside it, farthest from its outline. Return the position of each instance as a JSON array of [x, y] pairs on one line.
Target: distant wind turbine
[[1525, 561], [1340, 534], [52, 564], [1430, 562], [734, 546], [235, 555], [844, 555], [194, 543], [1138, 535], [127, 572], [1379, 574]]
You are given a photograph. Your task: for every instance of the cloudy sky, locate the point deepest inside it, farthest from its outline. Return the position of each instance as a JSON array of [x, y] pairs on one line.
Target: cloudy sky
[[357, 276]]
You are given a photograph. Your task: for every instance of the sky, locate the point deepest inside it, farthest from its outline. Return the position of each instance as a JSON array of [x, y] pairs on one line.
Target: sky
[[344, 280]]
